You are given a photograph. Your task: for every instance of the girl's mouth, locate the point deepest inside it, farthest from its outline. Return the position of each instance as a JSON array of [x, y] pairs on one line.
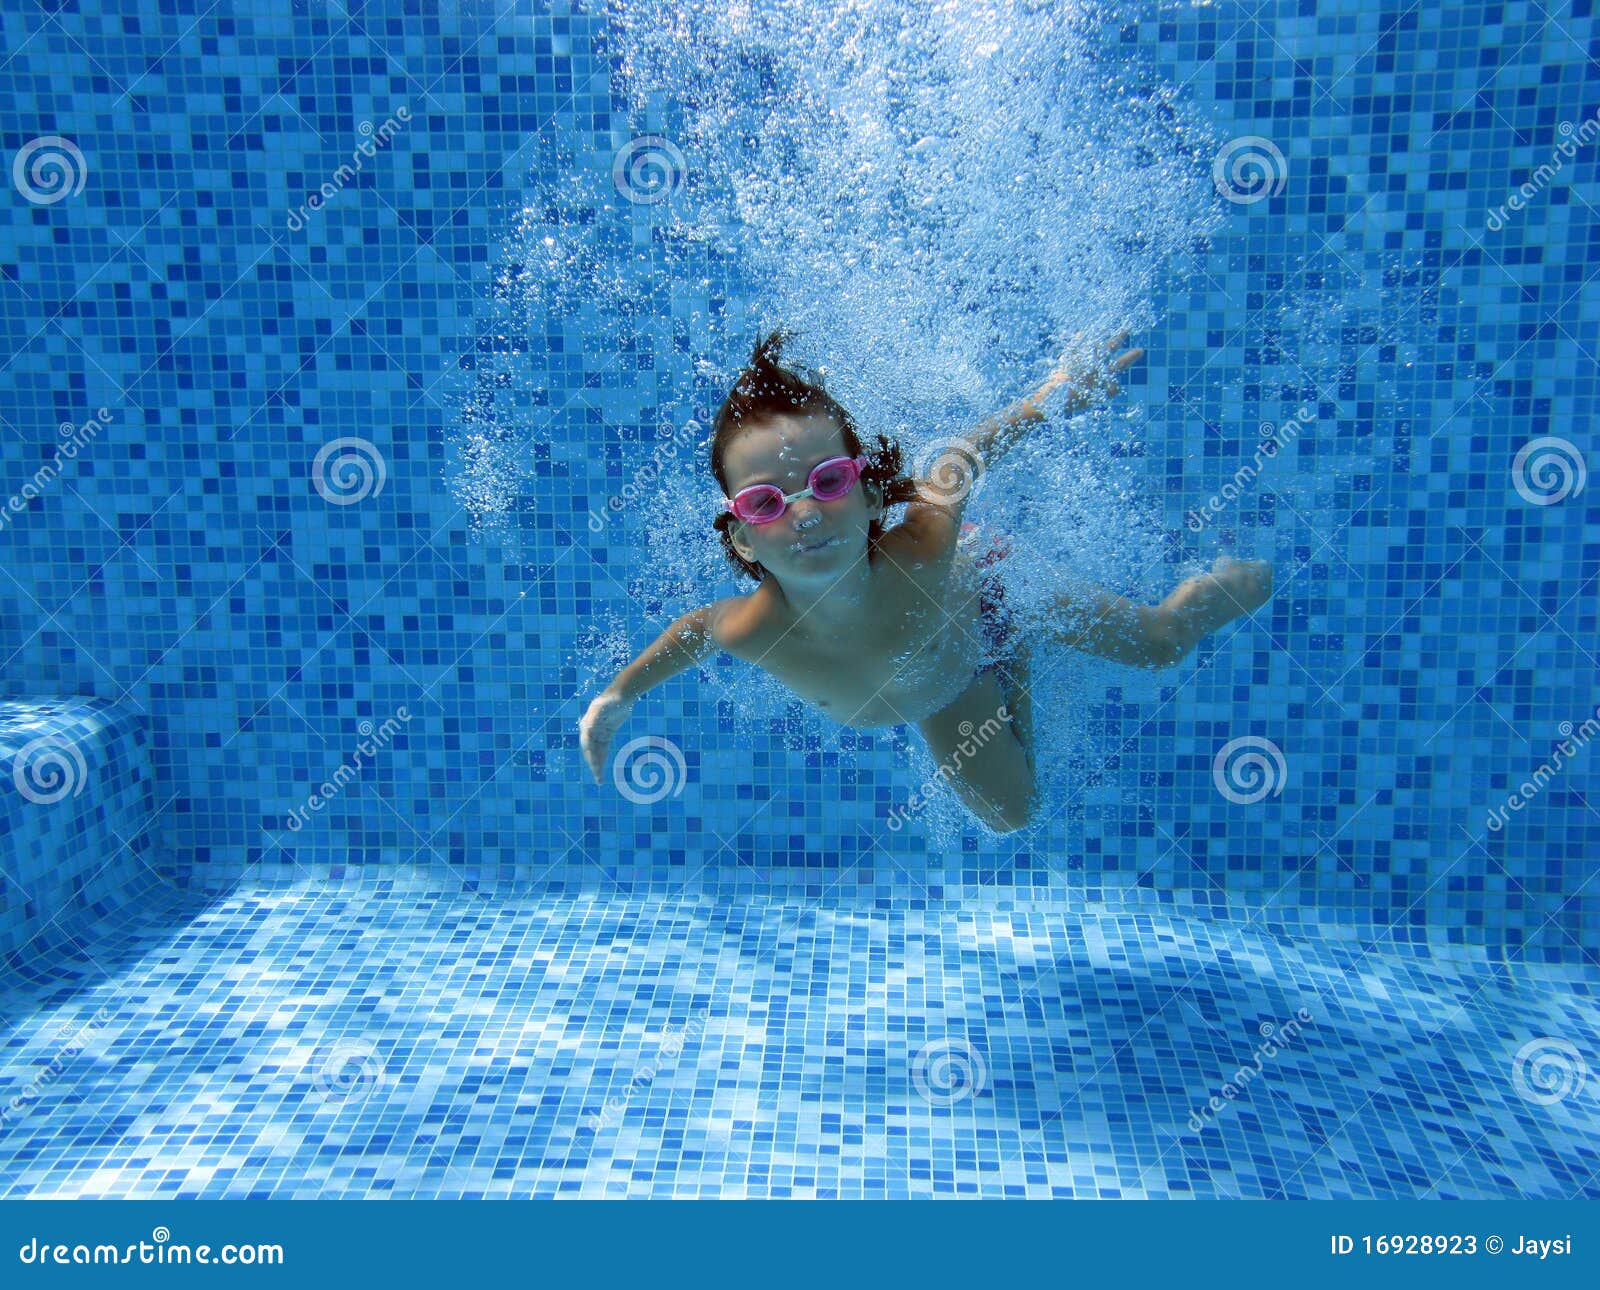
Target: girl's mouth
[[815, 546]]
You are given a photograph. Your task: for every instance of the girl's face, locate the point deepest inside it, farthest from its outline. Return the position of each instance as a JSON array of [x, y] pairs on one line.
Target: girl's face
[[810, 538]]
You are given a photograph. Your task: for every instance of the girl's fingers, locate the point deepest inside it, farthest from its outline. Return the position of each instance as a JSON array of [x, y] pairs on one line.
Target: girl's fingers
[[1116, 341]]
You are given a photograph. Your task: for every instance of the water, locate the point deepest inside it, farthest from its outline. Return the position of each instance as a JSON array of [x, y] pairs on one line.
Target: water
[[437, 444], [844, 171]]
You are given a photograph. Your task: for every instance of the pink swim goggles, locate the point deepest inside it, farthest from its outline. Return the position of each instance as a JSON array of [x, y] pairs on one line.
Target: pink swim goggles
[[829, 481]]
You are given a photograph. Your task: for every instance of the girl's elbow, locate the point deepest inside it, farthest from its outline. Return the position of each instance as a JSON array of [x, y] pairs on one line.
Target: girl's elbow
[[1165, 648]]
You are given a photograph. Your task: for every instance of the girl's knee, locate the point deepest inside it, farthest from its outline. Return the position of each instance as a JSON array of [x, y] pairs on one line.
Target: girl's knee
[[1014, 811], [1014, 820]]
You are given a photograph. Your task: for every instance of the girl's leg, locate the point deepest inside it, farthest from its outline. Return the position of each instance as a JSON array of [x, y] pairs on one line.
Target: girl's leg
[[1005, 639], [1019, 700], [986, 765]]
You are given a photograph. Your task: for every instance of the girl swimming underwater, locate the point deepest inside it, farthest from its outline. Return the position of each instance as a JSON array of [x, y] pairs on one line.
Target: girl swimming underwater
[[884, 626]]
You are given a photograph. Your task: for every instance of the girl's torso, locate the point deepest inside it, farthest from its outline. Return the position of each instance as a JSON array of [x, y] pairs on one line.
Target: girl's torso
[[912, 653]]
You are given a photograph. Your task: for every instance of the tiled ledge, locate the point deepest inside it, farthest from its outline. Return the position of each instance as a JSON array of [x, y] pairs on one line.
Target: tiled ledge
[[75, 821]]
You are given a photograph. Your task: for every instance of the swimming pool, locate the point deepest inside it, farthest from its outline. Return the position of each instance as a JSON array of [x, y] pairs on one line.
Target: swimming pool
[[327, 906]]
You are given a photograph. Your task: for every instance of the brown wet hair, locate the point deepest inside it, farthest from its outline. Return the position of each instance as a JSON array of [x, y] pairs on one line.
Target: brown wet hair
[[765, 390]]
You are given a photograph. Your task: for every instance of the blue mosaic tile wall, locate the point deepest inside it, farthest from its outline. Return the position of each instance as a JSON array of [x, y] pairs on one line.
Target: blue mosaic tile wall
[[1423, 651]]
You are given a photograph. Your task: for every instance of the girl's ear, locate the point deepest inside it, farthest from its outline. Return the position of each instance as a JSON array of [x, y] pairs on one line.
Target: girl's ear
[[876, 499]]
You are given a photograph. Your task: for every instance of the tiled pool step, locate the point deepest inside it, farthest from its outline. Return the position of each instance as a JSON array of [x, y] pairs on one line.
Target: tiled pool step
[[76, 806]]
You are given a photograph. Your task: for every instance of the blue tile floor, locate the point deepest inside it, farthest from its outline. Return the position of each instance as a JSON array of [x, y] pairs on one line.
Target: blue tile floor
[[371, 1041]]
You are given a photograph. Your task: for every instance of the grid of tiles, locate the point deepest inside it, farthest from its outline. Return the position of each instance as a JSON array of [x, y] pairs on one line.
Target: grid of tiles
[[411, 1043], [1431, 632], [76, 841]]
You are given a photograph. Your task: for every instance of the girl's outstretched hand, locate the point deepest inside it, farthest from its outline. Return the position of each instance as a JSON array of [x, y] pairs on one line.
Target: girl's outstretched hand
[[1085, 379], [598, 726]]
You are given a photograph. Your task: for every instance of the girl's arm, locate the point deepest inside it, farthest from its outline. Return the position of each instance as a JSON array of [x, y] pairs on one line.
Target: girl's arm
[[935, 516], [995, 437], [689, 639]]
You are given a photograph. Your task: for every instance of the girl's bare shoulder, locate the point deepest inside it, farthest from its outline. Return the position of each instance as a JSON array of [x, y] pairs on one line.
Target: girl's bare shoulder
[[926, 532], [739, 623]]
